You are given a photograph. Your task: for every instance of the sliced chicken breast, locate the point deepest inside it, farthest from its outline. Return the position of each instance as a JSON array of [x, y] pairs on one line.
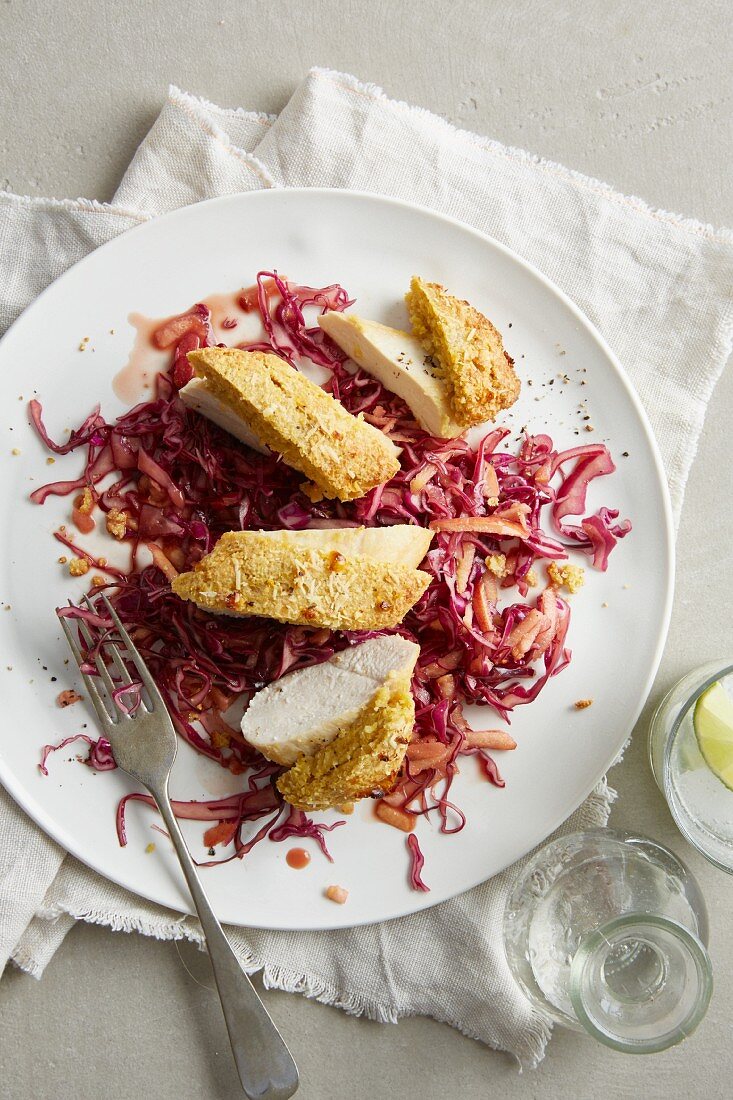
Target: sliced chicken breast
[[478, 374], [196, 395], [279, 575], [400, 363], [341, 454], [304, 710], [402, 544], [364, 758]]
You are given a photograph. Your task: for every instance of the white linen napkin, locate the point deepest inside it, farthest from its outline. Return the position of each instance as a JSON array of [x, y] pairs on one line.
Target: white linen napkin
[[656, 285]]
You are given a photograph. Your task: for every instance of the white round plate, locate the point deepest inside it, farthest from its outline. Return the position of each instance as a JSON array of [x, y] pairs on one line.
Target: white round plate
[[372, 246]]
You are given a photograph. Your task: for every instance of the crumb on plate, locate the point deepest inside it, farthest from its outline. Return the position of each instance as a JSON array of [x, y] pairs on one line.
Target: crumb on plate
[[337, 894], [78, 567], [571, 577], [581, 704], [68, 698]]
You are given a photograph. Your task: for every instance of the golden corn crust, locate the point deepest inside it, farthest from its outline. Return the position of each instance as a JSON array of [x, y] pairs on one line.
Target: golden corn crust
[[248, 573], [478, 374], [313, 432], [364, 756]]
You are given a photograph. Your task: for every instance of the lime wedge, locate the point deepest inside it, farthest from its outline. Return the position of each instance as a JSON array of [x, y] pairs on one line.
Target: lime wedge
[[713, 722]]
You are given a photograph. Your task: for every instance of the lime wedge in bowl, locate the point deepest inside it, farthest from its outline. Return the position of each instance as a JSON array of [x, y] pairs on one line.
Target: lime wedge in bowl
[[713, 722]]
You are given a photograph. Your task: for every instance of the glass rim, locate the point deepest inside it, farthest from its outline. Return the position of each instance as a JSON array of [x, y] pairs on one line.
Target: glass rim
[[682, 711], [587, 947]]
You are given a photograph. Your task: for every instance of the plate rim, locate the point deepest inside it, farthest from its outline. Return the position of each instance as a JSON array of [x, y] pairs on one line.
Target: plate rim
[[56, 832]]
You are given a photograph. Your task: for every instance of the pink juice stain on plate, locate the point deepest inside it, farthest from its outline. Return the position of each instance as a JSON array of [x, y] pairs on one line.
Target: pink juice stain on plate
[[135, 380]]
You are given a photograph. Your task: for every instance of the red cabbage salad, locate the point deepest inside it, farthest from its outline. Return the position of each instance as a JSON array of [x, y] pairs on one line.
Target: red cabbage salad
[[169, 483]]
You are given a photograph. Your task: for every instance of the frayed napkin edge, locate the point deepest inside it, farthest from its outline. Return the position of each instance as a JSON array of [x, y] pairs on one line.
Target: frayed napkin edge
[[84, 206], [176, 94], [286, 980], [198, 108]]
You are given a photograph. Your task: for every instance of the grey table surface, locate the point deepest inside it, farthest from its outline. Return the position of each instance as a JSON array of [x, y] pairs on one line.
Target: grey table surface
[[636, 94]]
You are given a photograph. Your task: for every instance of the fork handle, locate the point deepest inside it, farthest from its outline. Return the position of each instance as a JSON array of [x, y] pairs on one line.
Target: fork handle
[[266, 1067]]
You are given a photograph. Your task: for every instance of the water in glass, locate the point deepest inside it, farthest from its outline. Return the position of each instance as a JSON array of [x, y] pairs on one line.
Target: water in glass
[[605, 932]]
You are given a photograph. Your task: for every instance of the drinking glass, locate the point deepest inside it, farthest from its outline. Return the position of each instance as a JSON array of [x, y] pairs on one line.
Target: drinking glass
[[701, 805], [605, 931]]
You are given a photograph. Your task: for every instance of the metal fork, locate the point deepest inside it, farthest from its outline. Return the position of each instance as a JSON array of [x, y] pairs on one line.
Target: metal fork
[[145, 745]]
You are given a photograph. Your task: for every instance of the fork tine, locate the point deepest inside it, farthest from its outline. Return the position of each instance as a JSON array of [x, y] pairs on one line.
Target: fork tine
[[101, 666], [142, 669], [120, 665], [97, 702], [124, 675]]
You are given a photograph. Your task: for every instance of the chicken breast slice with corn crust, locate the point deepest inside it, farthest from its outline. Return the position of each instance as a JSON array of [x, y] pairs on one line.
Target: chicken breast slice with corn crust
[[340, 453], [272, 574], [196, 395], [305, 710], [478, 374], [403, 544], [399, 361], [365, 756]]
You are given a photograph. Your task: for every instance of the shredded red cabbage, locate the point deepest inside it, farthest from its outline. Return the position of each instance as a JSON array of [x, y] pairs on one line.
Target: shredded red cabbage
[[417, 860], [179, 482], [128, 706], [597, 534], [298, 824], [99, 756]]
